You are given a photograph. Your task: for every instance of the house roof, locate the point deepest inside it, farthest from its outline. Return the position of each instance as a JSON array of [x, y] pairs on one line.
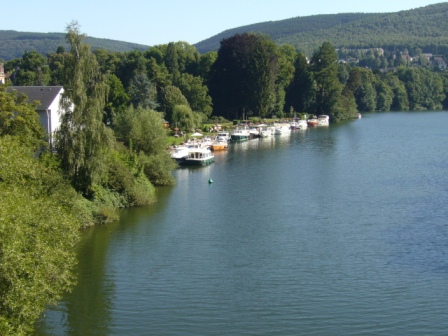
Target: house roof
[[45, 94]]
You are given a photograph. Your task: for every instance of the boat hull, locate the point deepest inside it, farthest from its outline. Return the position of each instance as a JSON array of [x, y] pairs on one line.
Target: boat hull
[[197, 162], [219, 147], [312, 123], [237, 137]]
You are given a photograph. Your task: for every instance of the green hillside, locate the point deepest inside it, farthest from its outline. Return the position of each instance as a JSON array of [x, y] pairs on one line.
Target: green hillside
[[13, 43], [425, 27]]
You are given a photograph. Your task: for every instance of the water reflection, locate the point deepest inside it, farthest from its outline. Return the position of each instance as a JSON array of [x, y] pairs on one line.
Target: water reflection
[[339, 230], [96, 288]]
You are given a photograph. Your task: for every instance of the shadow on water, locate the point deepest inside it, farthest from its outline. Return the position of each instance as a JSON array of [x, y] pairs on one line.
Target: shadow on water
[[95, 290]]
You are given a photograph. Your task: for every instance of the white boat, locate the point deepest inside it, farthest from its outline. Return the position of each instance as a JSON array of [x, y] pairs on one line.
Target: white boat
[[180, 153], [302, 124], [198, 157], [312, 122], [323, 120], [207, 142], [281, 128], [265, 131], [254, 132], [240, 134], [223, 135], [219, 144]]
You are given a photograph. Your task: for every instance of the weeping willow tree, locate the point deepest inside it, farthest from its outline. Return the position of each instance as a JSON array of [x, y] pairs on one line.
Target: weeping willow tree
[[83, 138]]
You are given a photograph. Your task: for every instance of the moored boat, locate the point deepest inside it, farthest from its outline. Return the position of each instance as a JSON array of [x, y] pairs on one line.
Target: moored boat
[[219, 144], [312, 122], [281, 128], [323, 120], [180, 153], [198, 157], [302, 124], [265, 131], [223, 135], [240, 134]]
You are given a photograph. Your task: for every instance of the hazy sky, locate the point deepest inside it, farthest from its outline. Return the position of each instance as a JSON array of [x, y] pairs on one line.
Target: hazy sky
[[152, 22]]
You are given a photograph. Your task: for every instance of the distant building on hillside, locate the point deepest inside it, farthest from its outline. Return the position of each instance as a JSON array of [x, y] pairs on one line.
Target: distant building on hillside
[[49, 110], [2, 74], [440, 62]]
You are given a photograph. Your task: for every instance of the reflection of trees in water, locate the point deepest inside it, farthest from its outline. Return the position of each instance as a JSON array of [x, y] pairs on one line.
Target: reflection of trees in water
[[88, 309]]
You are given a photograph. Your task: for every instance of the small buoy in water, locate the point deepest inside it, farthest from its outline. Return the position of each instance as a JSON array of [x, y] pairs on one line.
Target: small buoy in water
[[210, 181]]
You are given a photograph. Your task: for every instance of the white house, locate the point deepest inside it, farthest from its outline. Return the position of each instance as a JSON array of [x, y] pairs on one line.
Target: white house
[[49, 109]]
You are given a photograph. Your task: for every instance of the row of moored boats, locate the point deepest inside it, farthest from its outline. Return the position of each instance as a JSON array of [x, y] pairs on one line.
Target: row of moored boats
[[200, 152]]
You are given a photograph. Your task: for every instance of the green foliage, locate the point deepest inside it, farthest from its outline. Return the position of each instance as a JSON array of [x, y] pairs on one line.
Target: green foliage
[[400, 101], [38, 230], [424, 88], [125, 176], [384, 96], [158, 74], [158, 168], [425, 27], [196, 93], [117, 100], [243, 77], [300, 94], [18, 118], [171, 62], [287, 31], [141, 91], [361, 83], [185, 119], [142, 130], [32, 70], [205, 64], [170, 97], [14, 44], [325, 74], [56, 65], [82, 139]]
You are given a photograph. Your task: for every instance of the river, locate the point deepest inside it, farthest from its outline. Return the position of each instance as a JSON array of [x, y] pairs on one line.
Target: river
[[339, 230]]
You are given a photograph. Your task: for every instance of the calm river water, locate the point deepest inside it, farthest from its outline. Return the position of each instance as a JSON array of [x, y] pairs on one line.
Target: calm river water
[[329, 231]]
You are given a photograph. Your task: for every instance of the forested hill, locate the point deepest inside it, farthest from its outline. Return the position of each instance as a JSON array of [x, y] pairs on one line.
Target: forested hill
[[13, 43], [424, 27]]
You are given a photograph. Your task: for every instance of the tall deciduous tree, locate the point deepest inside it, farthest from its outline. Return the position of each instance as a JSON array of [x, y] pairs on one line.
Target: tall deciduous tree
[[32, 70], [142, 92], [361, 83], [184, 118], [196, 93], [20, 119], [83, 137], [301, 92], [143, 131], [170, 97], [243, 76], [325, 73], [172, 63], [286, 57], [38, 232], [117, 100]]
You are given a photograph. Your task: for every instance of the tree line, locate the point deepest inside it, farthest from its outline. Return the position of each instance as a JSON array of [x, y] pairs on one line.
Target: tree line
[[249, 75], [110, 150], [46, 197]]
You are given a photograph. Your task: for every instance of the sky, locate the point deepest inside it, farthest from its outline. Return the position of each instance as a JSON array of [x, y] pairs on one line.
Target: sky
[[150, 22]]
